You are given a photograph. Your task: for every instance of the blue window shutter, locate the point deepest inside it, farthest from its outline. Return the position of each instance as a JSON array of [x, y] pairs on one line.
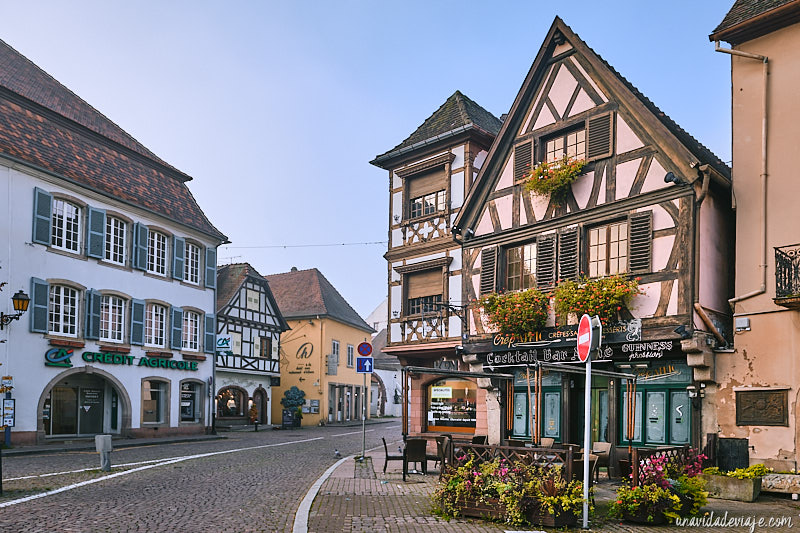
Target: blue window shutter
[[137, 322], [176, 332], [96, 243], [178, 257], [42, 223], [92, 314], [139, 256], [40, 300], [211, 268], [209, 342]]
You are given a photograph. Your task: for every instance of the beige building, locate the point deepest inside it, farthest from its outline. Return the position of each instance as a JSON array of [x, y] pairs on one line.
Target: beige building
[[757, 392], [318, 354]]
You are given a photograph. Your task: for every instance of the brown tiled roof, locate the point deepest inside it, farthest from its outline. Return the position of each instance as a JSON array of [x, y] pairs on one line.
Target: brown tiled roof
[[307, 293], [45, 125], [230, 279], [748, 19], [457, 114]]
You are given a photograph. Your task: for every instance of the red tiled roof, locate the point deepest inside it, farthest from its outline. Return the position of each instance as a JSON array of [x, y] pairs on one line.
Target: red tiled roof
[[307, 293], [49, 127]]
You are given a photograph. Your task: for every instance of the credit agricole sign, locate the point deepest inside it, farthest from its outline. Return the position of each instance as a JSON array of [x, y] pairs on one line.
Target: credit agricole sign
[[61, 357]]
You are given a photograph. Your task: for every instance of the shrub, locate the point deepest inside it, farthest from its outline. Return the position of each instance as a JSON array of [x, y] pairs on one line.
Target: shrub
[[516, 313]]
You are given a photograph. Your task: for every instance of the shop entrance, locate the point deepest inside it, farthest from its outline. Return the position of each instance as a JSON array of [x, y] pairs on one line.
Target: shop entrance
[[81, 406]]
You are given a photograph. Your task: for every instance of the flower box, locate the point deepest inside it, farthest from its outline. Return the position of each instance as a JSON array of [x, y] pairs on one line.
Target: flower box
[[486, 508], [730, 488], [543, 518], [492, 508]]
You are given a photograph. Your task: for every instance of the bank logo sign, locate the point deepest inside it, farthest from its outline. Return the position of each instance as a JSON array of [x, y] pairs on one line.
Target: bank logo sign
[[224, 344], [58, 357]]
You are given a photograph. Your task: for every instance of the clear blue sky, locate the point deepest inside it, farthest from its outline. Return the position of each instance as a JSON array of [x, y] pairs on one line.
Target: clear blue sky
[[276, 108]]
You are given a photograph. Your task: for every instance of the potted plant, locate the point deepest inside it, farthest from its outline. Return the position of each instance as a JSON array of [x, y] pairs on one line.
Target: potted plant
[[513, 492], [742, 484], [605, 297], [292, 401], [555, 178], [516, 313]]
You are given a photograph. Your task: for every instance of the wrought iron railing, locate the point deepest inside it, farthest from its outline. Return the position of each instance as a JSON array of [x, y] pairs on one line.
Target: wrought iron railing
[[258, 365], [787, 271]]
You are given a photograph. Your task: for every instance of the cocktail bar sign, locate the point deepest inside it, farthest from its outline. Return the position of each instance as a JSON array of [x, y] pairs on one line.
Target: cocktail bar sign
[[61, 357]]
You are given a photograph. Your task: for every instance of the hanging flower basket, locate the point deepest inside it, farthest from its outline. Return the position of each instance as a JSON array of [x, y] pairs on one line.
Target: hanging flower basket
[[604, 297], [555, 178], [516, 313]]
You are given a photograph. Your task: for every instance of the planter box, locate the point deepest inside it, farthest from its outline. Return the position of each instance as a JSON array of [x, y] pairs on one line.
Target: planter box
[[730, 488], [551, 520], [492, 509], [786, 483]]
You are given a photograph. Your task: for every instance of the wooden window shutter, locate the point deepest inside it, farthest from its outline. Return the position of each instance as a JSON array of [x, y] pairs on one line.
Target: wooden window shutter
[[488, 270], [425, 283], [427, 183], [139, 255], [42, 224], [641, 242], [137, 322], [176, 328], [40, 301], [96, 243], [545, 262], [178, 257], [568, 254], [599, 135], [210, 334], [93, 303], [211, 268], [523, 158]]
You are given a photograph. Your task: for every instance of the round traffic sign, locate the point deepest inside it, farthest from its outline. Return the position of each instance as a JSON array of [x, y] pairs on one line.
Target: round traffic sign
[[584, 338], [365, 348]]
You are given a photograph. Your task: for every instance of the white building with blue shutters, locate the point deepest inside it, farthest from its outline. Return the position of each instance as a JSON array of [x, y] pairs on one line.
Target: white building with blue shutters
[[120, 265]]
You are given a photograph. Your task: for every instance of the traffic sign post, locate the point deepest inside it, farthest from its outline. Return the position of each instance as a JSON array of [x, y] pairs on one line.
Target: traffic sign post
[[364, 365], [590, 333]]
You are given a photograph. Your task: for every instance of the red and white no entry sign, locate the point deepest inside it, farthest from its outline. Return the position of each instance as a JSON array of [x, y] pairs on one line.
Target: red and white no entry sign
[[584, 338]]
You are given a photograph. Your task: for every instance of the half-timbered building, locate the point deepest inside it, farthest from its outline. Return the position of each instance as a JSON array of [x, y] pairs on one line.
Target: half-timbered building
[[651, 203], [249, 327], [430, 173]]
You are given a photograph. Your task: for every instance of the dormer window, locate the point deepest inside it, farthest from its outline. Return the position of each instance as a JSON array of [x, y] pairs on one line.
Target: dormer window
[[571, 144]]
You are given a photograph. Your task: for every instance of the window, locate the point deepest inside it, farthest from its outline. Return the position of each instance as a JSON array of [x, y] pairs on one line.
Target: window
[[452, 405], [350, 353], [191, 331], [155, 328], [190, 402], [156, 253], [253, 300], [572, 144], [428, 204], [231, 402], [66, 229], [112, 318], [335, 349], [154, 401], [424, 304], [266, 347], [63, 311], [116, 241], [191, 271], [521, 267], [608, 249]]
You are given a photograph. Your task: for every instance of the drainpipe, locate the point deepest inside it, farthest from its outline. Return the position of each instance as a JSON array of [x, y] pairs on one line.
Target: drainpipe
[[765, 61]]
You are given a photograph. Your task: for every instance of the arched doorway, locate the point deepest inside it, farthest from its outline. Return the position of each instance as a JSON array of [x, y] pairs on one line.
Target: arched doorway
[[260, 403], [79, 403]]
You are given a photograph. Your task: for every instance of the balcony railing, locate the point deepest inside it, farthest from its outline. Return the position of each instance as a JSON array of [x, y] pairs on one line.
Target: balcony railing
[[787, 276], [427, 327], [256, 365]]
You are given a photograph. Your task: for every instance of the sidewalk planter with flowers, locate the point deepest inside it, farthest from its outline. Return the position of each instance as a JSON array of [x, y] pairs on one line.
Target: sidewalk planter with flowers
[[605, 297], [516, 313], [513, 492], [555, 178], [668, 491], [742, 484]]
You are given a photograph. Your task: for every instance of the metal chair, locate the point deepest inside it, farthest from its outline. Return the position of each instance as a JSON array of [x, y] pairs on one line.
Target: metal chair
[[389, 457], [415, 452], [480, 439], [547, 442], [515, 443], [603, 452]]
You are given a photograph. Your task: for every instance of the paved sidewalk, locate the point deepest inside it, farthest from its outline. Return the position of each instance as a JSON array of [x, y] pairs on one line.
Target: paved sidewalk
[[359, 498]]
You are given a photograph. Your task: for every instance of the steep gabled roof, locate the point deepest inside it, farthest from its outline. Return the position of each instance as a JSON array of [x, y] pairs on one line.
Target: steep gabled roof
[[307, 294], [458, 114], [748, 19], [230, 279], [504, 140], [45, 125]]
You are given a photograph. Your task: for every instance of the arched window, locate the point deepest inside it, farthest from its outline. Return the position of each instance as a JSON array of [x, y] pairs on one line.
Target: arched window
[[231, 402], [451, 405]]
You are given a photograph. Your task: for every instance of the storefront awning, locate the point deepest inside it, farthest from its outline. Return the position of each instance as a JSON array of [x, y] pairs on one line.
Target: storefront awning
[[454, 373]]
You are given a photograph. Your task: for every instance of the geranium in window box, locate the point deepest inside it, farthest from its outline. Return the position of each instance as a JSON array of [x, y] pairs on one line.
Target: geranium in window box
[[555, 178], [516, 313], [605, 297]]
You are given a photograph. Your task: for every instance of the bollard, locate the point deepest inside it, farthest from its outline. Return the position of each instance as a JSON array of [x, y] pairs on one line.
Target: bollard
[[103, 445]]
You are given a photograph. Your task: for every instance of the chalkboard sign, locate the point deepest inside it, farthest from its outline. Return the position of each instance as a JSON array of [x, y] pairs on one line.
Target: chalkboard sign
[[733, 454], [287, 420]]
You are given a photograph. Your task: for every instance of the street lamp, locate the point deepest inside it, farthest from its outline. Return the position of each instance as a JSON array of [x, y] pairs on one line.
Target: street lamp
[[20, 301]]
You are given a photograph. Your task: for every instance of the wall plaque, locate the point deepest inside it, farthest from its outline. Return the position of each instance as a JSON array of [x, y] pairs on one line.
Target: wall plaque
[[762, 408]]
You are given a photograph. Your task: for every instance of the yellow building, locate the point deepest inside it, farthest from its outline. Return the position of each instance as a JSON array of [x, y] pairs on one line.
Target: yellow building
[[318, 354]]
